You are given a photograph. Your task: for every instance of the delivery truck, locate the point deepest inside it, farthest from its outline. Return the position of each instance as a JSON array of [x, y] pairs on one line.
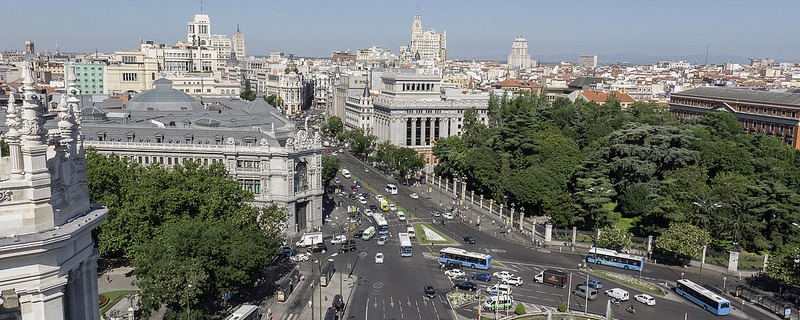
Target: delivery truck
[[309, 239], [553, 277]]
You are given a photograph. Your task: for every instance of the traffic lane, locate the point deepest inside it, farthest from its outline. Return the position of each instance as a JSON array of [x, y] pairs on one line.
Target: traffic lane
[[395, 288]]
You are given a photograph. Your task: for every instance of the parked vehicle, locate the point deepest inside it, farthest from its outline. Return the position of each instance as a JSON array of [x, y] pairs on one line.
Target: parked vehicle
[[309, 239], [553, 277]]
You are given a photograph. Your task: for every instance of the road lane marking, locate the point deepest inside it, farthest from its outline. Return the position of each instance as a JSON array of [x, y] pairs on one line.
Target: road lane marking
[[366, 310]]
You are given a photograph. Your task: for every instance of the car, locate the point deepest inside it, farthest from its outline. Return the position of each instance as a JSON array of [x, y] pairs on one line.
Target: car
[[358, 234], [517, 281], [368, 212], [382, 240], [469, 239], [349, 245], [430, 292], [337, 181], [466, 285], [362, 200], [392, 207], [503, 274], [414, 195], [286, 252], [338, 239], [373, 207], [378, 197], [448, 216], [299, 257], [401, 216], [645, 298], [366, 170], [454, 273], [436, 213], [482, 277], [594, 283], [357, 184], [379, 257], [319, 247], [366, 195], [334, 153], [450, 266], [338, 303]]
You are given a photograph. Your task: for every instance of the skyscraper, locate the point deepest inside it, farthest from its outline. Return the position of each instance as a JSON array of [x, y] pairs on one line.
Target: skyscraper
[[519, 57], [587, 61], [199, 32], [238, 44], [427, 44]]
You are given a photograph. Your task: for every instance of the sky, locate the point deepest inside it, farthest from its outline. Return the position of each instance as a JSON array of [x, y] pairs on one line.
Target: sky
[[475, 29]]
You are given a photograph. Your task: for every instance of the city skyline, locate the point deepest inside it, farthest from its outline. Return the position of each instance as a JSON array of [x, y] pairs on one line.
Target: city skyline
[[314, 29]]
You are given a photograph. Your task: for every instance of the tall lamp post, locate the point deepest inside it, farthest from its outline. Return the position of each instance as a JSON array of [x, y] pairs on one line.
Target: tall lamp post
[[511, 218]]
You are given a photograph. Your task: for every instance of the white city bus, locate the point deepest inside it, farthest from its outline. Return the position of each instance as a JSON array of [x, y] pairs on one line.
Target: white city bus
[[380, 223], [405, 244]]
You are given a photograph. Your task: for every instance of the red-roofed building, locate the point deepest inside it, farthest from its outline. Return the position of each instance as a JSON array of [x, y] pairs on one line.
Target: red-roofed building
[[625, 100], [515, 85]]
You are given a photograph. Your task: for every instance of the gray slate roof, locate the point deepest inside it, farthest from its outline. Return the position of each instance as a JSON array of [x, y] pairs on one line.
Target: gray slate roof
[[744, 94]]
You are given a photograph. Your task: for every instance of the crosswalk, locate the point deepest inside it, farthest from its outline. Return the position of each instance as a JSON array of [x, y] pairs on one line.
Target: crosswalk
[[289, 316]]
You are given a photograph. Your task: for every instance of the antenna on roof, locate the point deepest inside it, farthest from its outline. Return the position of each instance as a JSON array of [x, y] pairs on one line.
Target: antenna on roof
[[201, 6]]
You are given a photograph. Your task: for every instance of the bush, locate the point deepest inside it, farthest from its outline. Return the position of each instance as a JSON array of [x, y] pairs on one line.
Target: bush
[[562, 307], [519, 310]]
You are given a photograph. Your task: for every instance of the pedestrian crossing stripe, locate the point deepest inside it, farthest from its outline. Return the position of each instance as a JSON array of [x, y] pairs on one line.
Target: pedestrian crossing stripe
[[290, 316]]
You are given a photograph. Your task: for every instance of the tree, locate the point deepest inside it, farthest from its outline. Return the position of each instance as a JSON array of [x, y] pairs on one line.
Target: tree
[[408, 161], [4, 148], [248, 93], [145, 198], [190, 260], [784, 264], [635, 201], [591, 198], [360, 143], [334, 126], [614, 238], [330, 166], [271, 99], [683, 240]]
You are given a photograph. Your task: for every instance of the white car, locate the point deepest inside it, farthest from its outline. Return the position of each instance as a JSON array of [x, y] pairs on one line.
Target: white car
[[448, 216], [401, 216], [338, 239], [299, 257], [414, 195], [379, 257], [454, 273], [392, 207], [368, 212], [362, 200], [502, 275], [378, 197], [645, 298], [517, 281]]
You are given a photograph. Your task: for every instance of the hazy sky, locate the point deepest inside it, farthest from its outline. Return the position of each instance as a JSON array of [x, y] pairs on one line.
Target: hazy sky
[[475, 29]]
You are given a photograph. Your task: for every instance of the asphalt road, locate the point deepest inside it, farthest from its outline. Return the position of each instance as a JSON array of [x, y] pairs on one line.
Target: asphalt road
[[394, 289]]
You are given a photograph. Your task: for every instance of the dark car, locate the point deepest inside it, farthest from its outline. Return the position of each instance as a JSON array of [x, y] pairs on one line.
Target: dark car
[[482, 276], [469, 239], [319, 247], [349, 245], [430, 292], [366, 195], [358, 234], [285, 252], [337, 303], [436, 213], [373, 207], [466, 285], [450, 266]]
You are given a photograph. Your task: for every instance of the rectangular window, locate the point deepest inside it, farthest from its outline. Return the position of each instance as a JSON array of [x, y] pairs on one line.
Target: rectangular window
[[128, 59], [129, 76]]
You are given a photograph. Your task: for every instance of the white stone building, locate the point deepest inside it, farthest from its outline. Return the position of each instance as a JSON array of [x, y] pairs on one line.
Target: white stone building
[[48, 268], [519, 57], [427, 44]]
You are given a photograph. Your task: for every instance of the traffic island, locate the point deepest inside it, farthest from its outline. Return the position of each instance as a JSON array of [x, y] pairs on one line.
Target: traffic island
[[632, 281], [428, 235]]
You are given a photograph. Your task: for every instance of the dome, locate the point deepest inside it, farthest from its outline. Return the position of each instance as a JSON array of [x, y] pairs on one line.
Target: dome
[[163, 98]]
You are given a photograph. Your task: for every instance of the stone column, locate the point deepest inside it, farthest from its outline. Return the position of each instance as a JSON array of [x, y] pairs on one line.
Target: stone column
[[574, 236], [413, 131], [463, 189], [548, 233], [472, 197], [733, 260]]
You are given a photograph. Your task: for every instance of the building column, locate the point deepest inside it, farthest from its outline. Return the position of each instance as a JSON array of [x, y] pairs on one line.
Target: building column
[[413, 131]]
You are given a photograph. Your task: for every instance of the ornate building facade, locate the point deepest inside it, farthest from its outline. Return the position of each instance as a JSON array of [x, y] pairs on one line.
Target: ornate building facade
[[48, 260], [427, 44], [519, 57]]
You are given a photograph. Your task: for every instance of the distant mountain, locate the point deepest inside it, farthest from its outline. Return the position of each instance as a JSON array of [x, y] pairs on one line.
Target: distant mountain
[[634, 58]]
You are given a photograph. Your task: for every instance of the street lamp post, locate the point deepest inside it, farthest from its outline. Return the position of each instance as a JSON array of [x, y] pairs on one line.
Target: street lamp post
[[511, 220]]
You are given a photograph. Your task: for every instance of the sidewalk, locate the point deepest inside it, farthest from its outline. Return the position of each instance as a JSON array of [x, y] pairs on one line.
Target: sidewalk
[[115, 280], [298, 306]]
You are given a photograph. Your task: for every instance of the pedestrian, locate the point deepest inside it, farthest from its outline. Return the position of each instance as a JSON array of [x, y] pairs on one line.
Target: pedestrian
[[108, 278]]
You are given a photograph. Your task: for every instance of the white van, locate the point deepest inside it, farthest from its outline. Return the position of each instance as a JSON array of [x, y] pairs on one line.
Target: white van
[[618, 294], [584, 291], [411, 233], [500, 302], [499, 288], [368, 233], [391, 188], [346, 173]]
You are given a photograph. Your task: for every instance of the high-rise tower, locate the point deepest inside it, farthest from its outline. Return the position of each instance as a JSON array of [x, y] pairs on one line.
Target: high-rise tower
[[199, 32], [238, 44], [427, 44], [519, 57]]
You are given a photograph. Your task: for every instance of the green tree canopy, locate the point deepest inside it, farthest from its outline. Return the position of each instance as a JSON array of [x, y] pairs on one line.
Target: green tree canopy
[[684, 240], [330, 166], [614, 238], [334, 126]]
